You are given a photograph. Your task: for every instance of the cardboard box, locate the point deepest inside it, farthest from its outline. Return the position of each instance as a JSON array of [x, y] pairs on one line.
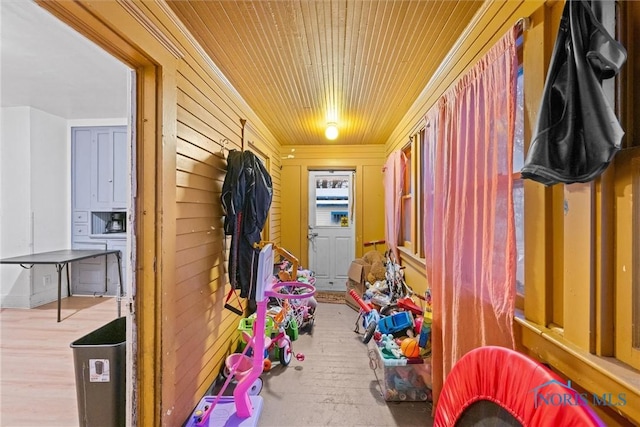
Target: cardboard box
[[357, 277]]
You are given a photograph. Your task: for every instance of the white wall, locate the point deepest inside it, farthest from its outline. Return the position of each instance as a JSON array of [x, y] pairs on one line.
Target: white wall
[[15, 204], [34, 201], [50, 198]]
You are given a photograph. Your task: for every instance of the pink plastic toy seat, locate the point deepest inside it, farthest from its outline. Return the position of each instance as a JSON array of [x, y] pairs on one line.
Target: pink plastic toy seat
[[239, 364]]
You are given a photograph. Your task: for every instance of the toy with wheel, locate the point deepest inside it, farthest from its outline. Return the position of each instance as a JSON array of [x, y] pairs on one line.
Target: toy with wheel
[[370, 317], [285, 353], [397, 323], [298, 312], [296, 292], [239, 365], [247, 370]]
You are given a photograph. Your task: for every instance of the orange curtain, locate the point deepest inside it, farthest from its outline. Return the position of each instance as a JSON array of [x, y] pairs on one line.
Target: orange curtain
[[469, 223], [393, 181]]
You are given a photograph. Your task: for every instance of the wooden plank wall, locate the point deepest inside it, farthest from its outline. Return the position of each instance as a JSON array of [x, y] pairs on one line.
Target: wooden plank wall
[[204, 332]]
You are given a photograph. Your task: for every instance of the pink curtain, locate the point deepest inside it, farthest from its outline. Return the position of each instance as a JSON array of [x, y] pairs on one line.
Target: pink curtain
[[469, 224], [393, 180]]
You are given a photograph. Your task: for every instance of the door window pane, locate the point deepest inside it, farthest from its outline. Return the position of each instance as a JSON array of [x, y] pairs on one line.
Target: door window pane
[[332, 201]]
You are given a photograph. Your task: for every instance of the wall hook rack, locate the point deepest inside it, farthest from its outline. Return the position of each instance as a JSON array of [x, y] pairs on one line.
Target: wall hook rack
[[243, 122]]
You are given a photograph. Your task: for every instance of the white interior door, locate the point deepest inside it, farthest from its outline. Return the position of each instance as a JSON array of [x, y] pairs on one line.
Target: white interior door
[[331, 230]]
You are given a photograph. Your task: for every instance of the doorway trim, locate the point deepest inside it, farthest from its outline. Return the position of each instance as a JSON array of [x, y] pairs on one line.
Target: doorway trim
[[144, 326]]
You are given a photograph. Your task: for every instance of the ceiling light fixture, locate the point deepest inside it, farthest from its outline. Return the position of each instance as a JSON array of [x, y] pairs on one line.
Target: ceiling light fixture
[[332, 131], [290, 155]]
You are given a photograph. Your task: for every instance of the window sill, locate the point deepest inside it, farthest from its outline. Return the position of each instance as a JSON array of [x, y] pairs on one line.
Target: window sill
[[596, 374], [411, 258]]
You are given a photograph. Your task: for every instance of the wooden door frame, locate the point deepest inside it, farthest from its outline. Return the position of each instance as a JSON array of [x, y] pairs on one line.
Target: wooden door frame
[[144, 395]]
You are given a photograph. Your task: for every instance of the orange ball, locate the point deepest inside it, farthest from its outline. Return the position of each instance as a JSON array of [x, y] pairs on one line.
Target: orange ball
[[410, 347]]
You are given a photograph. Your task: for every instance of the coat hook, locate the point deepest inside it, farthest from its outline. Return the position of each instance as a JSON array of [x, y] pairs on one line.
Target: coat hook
[[523, 23], [223, 146]]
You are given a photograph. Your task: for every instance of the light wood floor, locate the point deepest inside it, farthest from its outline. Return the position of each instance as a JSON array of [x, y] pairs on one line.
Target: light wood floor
[[37, 376], [333, 386]]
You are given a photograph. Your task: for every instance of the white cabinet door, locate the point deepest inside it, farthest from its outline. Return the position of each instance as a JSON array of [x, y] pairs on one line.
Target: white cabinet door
[[109, 169], [120, 169], [87, 275], [81, 168]]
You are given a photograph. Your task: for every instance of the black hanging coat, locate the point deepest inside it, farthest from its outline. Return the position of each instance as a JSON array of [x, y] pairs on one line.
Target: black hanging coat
[[246, 198], [577, 133]]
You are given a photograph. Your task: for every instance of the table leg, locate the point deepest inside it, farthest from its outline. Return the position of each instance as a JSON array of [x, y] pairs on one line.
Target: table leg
[[106, 274], [59, 268], [68, 281], [120, 284]]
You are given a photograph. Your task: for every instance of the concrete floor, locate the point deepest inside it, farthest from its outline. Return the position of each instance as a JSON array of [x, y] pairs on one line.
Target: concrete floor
[[334, 385]]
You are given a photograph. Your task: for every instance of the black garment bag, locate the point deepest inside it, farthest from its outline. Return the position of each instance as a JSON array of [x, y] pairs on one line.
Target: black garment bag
[[246, 199], [577, 133]]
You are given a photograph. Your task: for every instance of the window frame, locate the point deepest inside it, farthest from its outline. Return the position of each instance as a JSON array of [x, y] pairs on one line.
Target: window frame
[[516, 176], [414, 150], [408, 187]]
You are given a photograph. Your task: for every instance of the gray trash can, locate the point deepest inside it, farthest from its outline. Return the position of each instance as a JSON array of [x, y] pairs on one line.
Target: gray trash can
[[100, 364]]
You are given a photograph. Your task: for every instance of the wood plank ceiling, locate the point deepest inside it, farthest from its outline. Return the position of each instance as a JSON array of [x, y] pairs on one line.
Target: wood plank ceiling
[[301, 64]]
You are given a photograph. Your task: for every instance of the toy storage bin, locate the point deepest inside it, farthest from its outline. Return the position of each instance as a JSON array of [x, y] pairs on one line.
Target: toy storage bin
[[400, 380]]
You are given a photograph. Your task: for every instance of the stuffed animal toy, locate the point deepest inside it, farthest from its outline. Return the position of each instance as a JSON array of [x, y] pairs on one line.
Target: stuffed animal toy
[[377, 272], [390, 349], [372, 256]]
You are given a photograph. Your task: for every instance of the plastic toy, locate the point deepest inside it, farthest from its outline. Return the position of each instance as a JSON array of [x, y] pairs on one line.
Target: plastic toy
[[390, 283], [407, 385], [407, 304], [299, 312], [397, 322], [246, 324], [370, 317], [277, 342], [389, 347], [410, 348], [245, 369]]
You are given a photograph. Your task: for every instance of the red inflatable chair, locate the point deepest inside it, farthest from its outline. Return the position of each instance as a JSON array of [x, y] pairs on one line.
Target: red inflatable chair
[[495, 386]]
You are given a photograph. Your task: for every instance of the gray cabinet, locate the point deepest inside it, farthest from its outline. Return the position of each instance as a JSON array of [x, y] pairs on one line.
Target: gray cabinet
[[88, 276], [99, 187], [99, 165]]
